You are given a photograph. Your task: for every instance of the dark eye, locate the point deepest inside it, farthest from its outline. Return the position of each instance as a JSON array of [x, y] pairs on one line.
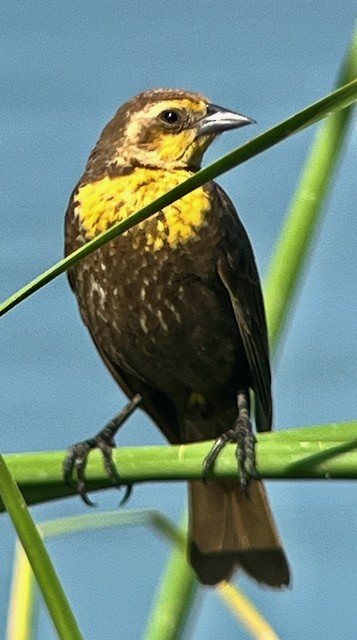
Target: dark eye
[[170, 116]]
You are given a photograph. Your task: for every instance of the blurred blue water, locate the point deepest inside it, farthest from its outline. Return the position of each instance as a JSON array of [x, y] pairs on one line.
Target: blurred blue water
[[64, 69]]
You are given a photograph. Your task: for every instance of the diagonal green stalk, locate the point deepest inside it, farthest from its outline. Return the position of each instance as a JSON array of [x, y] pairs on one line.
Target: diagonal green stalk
[[23, 604], [339, 99], [54, 596], [170, 615], [295, 240], [299, 230]]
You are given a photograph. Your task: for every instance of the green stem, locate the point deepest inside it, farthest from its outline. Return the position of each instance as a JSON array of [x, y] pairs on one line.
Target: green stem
[[23, 604], [306, 210], [171, 608], [135, 517], [42, 567], [309, 453]]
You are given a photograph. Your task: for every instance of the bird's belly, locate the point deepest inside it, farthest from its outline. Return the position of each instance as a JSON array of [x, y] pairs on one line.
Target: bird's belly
[[177, 331]]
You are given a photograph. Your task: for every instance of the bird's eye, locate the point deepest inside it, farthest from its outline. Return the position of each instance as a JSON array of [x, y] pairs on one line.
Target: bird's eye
[[170, 116]]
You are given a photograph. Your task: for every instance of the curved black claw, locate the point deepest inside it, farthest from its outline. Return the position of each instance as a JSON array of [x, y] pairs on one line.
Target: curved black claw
[[210, 459], [127, 494], [76, 460], [242, 434], [106, 445]]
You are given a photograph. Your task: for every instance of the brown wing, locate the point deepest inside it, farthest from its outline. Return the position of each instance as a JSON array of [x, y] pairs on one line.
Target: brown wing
[[238, 272]]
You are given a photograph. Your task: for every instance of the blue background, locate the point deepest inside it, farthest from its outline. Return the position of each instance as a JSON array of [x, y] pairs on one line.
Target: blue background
[[65, 67]]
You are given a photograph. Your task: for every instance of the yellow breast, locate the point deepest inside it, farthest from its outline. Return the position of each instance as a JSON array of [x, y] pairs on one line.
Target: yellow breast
[[102, 203]]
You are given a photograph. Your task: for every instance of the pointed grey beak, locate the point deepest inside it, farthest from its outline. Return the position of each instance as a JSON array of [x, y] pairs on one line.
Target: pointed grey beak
[[219, 119]]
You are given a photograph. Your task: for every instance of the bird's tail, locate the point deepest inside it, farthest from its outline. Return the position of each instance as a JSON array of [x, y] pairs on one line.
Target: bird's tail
[[229, 529]]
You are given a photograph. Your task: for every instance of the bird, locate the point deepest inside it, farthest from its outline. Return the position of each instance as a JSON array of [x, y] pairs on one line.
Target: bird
[[175, 309]]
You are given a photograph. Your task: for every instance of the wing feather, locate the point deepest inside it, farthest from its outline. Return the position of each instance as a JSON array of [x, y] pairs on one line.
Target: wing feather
[[239, 274]]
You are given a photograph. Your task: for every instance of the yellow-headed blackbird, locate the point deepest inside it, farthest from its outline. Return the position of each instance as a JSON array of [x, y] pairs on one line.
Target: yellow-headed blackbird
[[175, 309]]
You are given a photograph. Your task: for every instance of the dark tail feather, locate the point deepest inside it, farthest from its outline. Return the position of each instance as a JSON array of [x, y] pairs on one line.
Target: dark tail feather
[[230, 530]]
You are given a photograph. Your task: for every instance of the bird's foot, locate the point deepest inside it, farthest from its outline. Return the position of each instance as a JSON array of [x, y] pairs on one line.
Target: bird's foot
[[77, 455], [242, 434]]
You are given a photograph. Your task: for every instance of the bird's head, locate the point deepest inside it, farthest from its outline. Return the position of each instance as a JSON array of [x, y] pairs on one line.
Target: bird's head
[[164, 128]]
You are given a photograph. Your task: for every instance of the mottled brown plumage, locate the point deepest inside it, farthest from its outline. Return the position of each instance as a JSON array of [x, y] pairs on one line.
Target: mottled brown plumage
[[175, 309]]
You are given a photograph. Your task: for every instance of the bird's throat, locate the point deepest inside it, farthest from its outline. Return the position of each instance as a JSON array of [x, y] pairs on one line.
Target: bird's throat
[[102, 203]]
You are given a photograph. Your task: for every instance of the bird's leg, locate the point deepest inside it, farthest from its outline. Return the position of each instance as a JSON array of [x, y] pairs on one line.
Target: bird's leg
[[77, 454], [242, 434]]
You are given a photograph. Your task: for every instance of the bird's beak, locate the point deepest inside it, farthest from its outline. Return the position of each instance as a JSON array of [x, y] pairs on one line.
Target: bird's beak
[[218, 120]]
